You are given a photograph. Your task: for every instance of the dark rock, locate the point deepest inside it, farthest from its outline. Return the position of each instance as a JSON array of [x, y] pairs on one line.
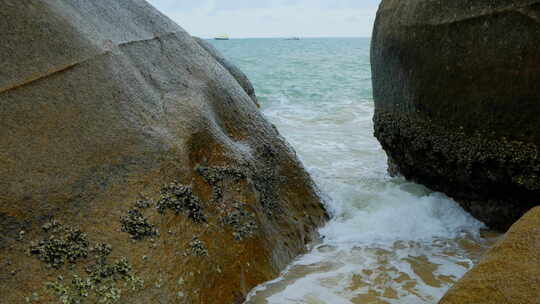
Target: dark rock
[[457, 100]]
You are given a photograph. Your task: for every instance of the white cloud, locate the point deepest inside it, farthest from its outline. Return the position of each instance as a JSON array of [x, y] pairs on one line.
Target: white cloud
[[273, 18]]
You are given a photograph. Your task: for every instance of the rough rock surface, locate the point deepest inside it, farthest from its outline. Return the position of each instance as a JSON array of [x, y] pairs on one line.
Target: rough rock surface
[[133, 166], [457, 100], [242, 79], [509, 272]]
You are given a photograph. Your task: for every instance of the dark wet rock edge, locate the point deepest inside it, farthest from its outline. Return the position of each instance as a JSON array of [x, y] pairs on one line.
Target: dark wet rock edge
[[497, 180]]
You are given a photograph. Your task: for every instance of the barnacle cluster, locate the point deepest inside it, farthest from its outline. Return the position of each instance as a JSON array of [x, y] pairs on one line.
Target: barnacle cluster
[[477, 167], [215, 175], [137, 225], [101, 251], [63, 244], [243, 222], [103, 282], [267, 180], [143, 204], [452, 152], [196, 247], [180, 199]]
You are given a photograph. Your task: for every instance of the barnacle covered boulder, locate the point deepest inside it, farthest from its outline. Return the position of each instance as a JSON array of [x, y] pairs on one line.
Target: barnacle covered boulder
[[457, 100], [134, 167], [509, 272]]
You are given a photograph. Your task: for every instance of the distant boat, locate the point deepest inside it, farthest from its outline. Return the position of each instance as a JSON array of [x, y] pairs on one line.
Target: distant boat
[[222, 37], [293, 38]]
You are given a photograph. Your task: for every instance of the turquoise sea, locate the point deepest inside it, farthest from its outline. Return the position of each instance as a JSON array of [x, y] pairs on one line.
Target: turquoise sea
[[389, 240]]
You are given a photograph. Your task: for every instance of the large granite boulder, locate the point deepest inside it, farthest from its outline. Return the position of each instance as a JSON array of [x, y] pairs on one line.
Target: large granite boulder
[[134, 165], [242, 79], [458, 102], [508, 273]]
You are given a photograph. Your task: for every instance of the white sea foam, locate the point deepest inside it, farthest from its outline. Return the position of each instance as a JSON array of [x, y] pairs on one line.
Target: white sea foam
[[389, 240]]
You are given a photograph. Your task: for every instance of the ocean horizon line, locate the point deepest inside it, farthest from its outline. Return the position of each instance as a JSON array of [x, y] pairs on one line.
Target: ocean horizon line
[[285, 37]]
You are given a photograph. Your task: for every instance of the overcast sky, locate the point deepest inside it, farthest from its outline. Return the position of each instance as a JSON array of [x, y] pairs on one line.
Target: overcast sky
[[272, 18]]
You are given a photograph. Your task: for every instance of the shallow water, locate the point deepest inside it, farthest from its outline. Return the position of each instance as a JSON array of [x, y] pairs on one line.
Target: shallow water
[[389, 241]]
